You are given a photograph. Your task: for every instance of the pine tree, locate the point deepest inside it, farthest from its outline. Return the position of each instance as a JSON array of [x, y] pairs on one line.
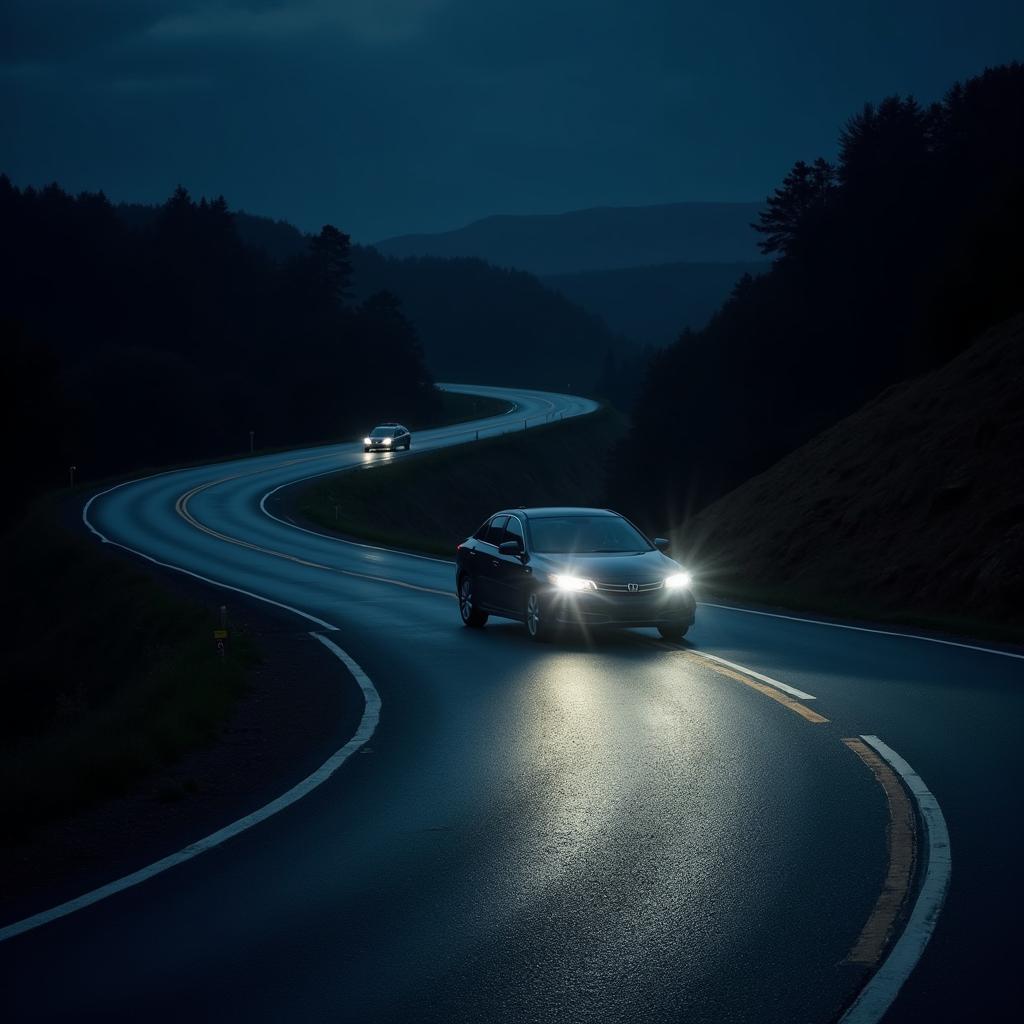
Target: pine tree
[[796, 206]]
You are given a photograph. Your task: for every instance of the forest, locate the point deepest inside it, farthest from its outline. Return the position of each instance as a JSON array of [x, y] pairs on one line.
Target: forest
[[477, 322], [887, 263], [133, 346]]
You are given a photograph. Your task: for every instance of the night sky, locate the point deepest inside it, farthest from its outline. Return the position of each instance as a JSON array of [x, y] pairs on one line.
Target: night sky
[[387, 116]]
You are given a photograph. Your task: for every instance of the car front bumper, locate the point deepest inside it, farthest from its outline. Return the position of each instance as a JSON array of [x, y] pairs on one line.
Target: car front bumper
[[597, 608]]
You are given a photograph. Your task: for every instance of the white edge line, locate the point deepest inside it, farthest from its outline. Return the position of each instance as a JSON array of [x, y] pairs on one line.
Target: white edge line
[[785, 687], [877, 996], [867, 629], [189, 572], [367, 725]]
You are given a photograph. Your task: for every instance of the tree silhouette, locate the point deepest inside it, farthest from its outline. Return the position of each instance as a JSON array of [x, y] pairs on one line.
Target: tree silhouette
[[797, 207], [175, 339], [888, 264], [332, 262], [884, 146]]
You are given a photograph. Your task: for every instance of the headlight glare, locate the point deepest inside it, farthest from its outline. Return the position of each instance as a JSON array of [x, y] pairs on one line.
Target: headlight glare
[[387, 440], [367, 440], [572, 584], [678, 581]]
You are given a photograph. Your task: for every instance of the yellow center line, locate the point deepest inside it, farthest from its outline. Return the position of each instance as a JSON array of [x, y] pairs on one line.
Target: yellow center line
[[877, 932], [777, 695]]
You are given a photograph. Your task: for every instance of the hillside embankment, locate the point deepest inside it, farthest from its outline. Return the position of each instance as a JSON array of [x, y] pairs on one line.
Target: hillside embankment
[[911, 509]]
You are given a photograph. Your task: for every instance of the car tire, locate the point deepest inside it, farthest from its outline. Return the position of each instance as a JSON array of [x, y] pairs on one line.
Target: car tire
[[471, 615], [536, 615], [673, 631]]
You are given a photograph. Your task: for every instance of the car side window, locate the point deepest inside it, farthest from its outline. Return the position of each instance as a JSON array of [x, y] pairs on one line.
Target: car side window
[[496, 533], [514, 531], [481, 534]]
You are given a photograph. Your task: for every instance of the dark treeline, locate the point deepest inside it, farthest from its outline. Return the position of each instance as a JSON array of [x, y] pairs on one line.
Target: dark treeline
[[135, 346], [477, 322], [887, 263]]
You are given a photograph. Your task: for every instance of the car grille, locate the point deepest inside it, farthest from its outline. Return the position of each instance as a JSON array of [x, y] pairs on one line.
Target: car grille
[[624, 588]]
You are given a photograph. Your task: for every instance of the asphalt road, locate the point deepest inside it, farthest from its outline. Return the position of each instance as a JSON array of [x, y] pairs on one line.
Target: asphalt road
[[602, 830]]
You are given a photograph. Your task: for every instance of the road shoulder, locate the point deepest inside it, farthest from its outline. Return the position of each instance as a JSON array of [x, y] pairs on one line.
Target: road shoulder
[[300, 706]]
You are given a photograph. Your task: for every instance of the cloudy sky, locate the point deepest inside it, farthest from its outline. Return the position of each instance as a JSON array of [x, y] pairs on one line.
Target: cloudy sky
[[387, 116]]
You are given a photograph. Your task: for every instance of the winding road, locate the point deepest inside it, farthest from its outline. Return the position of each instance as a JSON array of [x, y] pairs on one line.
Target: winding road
[[616, 830]]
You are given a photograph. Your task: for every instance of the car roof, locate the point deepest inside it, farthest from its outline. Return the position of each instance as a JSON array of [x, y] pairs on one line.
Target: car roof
[[558, 510]]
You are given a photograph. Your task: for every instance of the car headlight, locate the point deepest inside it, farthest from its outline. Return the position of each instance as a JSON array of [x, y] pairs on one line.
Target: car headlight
[[367, 440], [573, 584], [387, 440], [678, 581]]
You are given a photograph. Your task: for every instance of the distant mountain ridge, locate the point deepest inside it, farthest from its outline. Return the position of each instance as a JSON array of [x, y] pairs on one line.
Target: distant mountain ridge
[[454, 303], [601, 238], [649, 305]]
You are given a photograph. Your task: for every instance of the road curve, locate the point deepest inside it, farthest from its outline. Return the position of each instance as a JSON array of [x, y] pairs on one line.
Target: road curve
[[617, 830]]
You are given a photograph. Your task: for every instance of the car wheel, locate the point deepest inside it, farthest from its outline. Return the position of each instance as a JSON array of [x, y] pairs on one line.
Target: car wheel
[[471, 615], [673, 631], [537, 623]]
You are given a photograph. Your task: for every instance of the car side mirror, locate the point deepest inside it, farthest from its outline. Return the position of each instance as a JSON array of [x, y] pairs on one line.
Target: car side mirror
[[510, 547], [662, 543]]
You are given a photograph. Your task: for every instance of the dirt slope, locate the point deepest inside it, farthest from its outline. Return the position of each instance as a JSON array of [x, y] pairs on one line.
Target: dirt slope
[[912, 508]]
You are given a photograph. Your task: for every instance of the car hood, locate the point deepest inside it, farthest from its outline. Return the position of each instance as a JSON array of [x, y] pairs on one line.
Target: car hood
[[641, 567]]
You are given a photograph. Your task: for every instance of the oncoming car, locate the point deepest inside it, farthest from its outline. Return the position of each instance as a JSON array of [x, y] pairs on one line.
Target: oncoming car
[[549, 567], [387, 437]]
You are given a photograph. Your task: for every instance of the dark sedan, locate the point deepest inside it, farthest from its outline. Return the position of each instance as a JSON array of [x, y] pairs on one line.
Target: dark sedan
[[388, 437], [571, 566]]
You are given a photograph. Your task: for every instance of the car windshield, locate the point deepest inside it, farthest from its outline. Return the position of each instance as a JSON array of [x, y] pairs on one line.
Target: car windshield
[[382, 432], [585, 535]]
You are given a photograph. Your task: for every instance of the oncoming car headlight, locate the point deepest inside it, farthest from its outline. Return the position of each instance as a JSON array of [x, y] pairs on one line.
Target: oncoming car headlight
[[573, 584], [367, 440], [387, 440], [678, 581]]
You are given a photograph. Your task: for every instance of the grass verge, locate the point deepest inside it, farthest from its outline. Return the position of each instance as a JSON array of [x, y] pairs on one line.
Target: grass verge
[[106, 676], [430, 502]]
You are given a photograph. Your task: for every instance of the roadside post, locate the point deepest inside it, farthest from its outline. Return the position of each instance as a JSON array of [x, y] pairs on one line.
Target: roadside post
[[71, 473], [220, 636]]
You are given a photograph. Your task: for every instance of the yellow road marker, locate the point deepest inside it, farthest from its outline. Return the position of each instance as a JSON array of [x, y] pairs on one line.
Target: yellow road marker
[[877, 932], [777, 695]]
